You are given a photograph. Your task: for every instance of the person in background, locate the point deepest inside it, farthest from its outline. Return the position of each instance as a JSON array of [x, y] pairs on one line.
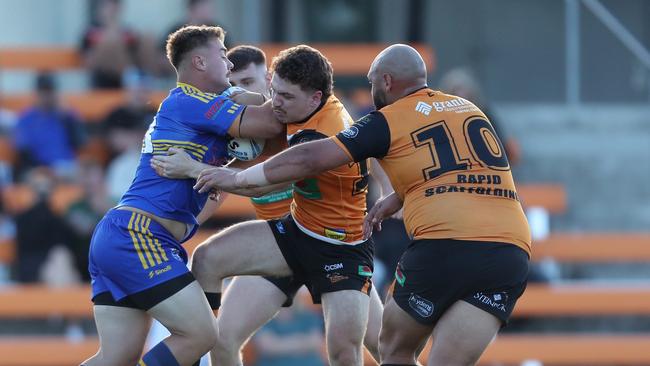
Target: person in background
[[48, 134], [463, 83], [108, 47]]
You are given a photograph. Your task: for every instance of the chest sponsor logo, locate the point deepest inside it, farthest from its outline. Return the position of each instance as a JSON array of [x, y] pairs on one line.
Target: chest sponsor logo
[[422, 306], [333, 267], [423, 108]]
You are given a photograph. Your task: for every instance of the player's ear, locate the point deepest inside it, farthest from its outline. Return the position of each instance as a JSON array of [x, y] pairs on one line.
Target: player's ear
[[387, 79], [316, 98], [198, 62]]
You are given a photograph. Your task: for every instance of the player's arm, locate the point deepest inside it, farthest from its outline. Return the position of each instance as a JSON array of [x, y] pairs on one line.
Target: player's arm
[[380, 176], [368, 137], [211, 205], [256, 121]]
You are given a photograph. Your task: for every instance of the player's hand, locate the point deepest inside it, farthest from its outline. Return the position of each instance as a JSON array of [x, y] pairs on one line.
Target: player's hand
[[383, 208], [216, 179], [177, 164]]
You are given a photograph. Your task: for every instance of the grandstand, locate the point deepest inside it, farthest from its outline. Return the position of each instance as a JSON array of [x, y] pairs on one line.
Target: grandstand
[[568, 86]]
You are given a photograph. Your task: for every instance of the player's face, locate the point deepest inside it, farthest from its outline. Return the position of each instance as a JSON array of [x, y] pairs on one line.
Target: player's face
[[217, 65], [378, 92], [252, 78], [290, 102]]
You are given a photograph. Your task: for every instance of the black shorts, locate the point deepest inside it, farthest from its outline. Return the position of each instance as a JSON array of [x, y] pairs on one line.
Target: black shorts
[[323, 267], [433, 274], [288, 285], [146, 299]]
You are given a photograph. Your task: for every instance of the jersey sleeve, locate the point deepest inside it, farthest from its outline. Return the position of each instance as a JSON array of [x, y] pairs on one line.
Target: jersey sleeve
[[212, 113], [369, 137]]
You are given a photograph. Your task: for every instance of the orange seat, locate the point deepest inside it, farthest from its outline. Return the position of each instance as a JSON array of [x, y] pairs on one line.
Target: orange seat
[[594, 247], [552, 197], [7, 251], [7, 151]]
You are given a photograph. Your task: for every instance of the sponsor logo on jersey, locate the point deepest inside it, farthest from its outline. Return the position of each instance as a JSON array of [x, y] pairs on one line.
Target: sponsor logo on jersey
[[338, 234], [423, 108], [422, 306], [332, 267], [211, 113]]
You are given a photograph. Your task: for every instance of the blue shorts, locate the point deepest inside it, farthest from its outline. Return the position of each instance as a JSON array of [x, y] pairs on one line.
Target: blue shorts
[[136, 261]]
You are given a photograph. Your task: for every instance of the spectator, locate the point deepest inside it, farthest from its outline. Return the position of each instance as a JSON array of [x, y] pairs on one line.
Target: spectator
[[82, 215], [7, 120], [293, 338], [125, 127], [198, 12], [47, 134], [108, 47], [38, 230], [462, 83]]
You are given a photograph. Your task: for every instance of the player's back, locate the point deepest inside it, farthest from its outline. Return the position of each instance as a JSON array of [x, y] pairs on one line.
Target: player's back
[[333, 203], [196, 122], [448, 166]]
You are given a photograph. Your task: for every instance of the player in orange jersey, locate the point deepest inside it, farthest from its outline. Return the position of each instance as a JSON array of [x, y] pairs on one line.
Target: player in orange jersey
[[320, 243], [467, 265]]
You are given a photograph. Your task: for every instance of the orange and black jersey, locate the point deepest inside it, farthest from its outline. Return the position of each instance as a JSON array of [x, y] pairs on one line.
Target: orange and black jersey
[[331, 205], [446, 164]]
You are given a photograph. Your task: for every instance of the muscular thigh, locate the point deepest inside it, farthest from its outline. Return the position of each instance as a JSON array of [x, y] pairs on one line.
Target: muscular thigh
[[346, 315], [247, 248], [122, 331]]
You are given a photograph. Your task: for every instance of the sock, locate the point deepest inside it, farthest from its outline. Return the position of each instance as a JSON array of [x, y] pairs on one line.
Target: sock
[[160, 355], [214, 299]]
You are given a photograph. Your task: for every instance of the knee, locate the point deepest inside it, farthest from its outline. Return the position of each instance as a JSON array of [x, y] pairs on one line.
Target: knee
[[229, 342], [205, 262], [343, 351]]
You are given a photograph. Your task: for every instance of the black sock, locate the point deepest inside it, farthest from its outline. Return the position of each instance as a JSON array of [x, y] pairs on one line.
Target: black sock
[[214, 299]]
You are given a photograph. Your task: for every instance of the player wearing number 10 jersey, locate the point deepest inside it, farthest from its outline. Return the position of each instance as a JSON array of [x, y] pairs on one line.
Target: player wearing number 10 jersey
[[467, 265]]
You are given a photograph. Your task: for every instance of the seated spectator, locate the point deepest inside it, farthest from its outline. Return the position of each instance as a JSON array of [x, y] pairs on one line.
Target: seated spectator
[[83, 215], [108, 47], [47, 134], [38, 230]]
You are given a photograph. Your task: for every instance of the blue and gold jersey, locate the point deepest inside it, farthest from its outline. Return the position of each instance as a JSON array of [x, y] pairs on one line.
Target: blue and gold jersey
[[196, 122]]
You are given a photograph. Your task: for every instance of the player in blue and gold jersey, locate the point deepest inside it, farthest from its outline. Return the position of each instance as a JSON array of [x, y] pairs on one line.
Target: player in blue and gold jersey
[[137, 264]]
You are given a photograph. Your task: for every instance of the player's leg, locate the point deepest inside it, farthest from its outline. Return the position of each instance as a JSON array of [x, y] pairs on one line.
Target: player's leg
[[401, 337], [187, 316], [346, 318], [122, 332], [371, 339], [248, 303], [247, 248], [461, 335]]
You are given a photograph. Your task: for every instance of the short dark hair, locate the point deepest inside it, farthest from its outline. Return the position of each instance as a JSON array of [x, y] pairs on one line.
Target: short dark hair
[[188, 38], [242, 56], [305, 66]]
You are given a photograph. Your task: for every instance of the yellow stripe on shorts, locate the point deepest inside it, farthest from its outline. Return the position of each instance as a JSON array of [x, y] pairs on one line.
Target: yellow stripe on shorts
[[156, 250], [143, 244], [135, 241]]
